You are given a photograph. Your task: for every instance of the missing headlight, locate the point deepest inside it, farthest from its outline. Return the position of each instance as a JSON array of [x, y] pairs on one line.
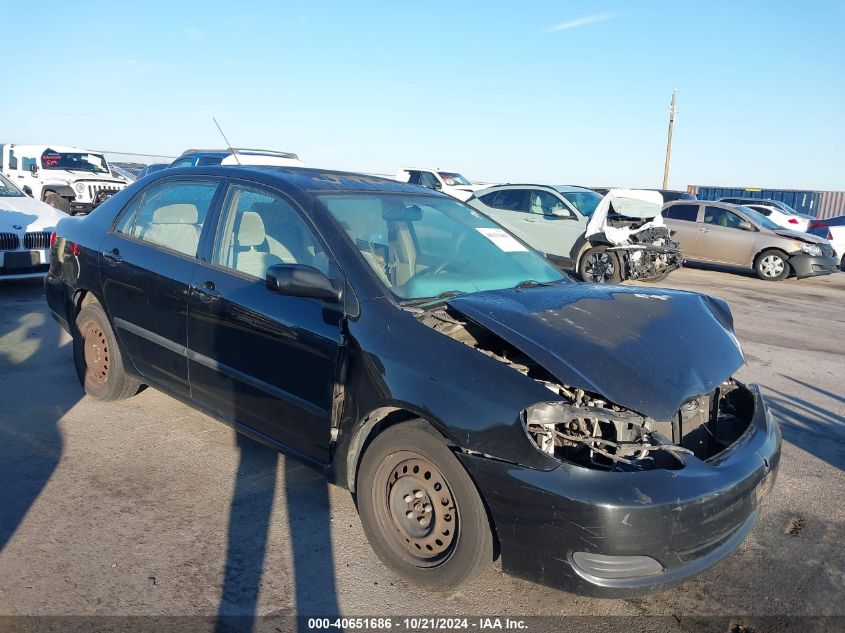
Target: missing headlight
[[599, 436], [588, 431]]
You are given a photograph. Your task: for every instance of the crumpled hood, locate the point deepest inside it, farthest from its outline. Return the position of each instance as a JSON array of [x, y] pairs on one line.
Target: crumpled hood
[[651, 208], [28, 213], [647, 350], [798, 235]]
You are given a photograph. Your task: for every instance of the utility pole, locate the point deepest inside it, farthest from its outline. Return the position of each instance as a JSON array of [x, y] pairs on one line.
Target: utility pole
[[672, 112]]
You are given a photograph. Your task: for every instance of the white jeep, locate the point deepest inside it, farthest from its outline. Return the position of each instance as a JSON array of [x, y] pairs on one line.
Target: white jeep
[[444, 180], [70, 179]]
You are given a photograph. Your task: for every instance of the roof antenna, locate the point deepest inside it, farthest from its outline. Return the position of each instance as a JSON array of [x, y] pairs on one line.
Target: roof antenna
[[228, 144]]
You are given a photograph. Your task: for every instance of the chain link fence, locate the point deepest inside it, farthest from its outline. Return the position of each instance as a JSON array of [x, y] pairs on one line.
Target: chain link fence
[[133, 162]]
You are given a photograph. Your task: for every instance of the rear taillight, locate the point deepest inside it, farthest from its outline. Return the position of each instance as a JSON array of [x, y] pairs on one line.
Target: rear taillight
[[792, 221], [52, 239], [74, 248]]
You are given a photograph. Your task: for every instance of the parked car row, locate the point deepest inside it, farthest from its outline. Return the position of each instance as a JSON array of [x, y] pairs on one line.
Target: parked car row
[[475, 399], [629, 240]]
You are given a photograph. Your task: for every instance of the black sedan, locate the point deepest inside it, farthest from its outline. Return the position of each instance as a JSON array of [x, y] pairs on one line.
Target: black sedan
[[474, 399]]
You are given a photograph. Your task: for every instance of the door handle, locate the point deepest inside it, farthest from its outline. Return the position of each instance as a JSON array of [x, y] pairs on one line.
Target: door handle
[[112, 257], [703, 230], [206, 291]]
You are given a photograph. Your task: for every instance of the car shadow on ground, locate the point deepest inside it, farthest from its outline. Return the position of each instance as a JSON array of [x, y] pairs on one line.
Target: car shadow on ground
[[38, 374], [817, 429], [306, 499]]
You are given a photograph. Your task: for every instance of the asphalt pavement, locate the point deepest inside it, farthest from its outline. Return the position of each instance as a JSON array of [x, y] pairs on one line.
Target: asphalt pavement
[[147, 507]]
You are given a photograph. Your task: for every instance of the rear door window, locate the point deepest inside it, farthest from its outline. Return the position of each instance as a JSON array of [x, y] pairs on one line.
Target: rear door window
[[507, 199], [170, 214], [686, 212]]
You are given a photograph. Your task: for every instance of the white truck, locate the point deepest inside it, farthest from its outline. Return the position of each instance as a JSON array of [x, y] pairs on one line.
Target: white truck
[[70, 179], [444, 180]]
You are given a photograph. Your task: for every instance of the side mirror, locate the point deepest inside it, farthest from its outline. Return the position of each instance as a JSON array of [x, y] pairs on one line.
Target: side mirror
[[560, 213], [33, 168], [745, 225], [437, 185], [296, 280], [27, 190]]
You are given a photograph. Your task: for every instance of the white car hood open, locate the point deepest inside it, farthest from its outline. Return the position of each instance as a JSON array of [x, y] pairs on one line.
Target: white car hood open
[[28, 213], [634, 203]]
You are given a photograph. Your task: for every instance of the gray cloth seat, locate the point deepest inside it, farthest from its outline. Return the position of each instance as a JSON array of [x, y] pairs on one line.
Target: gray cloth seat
[[174, 226], [251, 256]]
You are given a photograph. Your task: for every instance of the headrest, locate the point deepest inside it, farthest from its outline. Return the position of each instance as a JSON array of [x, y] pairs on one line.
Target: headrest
[[176, 214], [251, 231]]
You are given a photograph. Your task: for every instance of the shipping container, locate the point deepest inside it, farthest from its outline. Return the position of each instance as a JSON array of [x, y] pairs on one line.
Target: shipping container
[[822, 204]]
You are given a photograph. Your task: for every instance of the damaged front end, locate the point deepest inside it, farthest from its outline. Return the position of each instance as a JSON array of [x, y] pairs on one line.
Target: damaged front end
[[588, 431], [630, 223], [663, 458], [649, 253]]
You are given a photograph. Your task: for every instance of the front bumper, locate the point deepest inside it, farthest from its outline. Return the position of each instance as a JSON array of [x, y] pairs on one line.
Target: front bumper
[[686, 519], [24, 264], [809, 266]]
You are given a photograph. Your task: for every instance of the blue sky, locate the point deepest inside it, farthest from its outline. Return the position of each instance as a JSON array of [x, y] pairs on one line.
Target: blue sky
[[561, 92]]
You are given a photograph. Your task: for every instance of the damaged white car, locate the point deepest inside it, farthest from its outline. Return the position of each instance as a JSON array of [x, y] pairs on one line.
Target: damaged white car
[[626, 238], [604, 239]]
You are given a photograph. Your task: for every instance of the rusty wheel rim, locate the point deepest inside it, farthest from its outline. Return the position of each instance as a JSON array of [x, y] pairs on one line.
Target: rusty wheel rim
[[96, 350], [420, 509]]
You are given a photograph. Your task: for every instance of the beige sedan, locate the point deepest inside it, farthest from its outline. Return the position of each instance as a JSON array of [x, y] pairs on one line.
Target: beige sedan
[[722, 233]]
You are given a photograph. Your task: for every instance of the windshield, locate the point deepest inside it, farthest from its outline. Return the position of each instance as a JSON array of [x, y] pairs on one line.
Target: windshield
[[759, 218], [585, 201], [424, 246], [452, 178], [7, 189], [74, 161]]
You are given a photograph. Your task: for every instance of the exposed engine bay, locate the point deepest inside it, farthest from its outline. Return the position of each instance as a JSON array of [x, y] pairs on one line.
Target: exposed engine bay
[[586, 429], [630, 223], [649, 253]]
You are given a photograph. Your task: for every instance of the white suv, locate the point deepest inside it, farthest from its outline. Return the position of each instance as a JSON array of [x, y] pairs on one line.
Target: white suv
[[70, 179], [447, 181]]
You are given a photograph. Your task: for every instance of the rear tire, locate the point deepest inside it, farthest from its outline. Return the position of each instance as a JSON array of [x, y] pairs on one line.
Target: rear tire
[[57, 202], [842, 264], [600, 266], [421, 512], [771, 265], [99, 363]]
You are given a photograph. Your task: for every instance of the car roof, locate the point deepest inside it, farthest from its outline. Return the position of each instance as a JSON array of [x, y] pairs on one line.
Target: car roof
[[558, 188], [205, 152], [307, 179], [572, 189]]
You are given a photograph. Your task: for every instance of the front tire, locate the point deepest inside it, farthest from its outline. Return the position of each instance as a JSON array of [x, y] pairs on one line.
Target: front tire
[[771, 265], [99, 363], [57, 202], [421, 512], [599, 265]]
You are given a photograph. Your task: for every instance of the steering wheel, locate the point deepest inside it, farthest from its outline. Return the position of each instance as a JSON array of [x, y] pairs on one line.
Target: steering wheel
[[439, 268]]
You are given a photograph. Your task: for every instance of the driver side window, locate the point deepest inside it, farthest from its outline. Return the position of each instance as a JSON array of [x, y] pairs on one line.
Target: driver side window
[[721, 217], [427, 179], [262, 229], [545, 203]]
